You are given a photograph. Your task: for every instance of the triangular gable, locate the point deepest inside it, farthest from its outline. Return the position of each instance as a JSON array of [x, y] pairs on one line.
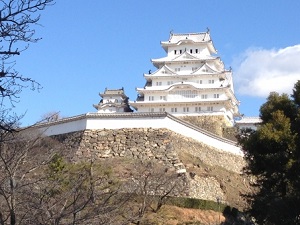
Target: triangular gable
[[205, 68], [165, 70], [184, 56]]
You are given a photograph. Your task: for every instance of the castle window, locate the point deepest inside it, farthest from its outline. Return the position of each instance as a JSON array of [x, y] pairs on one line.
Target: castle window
[[210, 108], [170, 82], [163, 98], [173, 110], [177, 69], [194, 68], [211, 81], [191, 50], [158, 83], [198, 109], [204, 96], [162, 109], [186, 109], [152, 110], [216, 95], [196, 50], [175, 52], [151, 98], [180, 51]]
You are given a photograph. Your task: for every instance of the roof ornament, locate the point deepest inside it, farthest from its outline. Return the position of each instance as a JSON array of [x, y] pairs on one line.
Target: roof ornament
[[171, 34], [207, 32], [149, 72]]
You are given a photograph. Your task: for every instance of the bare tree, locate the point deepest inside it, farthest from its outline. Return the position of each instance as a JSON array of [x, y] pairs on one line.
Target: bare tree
[[50, 117], [76, 193], [38, 185], [21, 158], [152, 184], [17, 21]]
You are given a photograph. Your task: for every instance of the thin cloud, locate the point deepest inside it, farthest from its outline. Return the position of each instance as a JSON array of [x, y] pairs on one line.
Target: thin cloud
[[261, 71]]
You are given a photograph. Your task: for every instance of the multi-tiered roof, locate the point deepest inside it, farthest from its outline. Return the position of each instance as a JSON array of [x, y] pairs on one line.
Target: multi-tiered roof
[[190, 80], [113, 101]]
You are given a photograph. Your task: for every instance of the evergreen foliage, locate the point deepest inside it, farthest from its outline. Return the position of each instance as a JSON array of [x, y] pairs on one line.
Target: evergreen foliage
[[272, 153]]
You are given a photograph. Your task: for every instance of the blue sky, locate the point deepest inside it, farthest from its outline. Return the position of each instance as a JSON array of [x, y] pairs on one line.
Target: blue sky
[[90, 45]]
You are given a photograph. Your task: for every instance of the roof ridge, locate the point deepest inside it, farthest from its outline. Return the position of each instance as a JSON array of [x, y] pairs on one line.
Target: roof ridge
[[184, 34]]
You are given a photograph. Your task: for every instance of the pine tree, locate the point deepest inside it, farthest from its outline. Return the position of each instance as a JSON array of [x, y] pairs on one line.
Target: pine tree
[[272, 153]]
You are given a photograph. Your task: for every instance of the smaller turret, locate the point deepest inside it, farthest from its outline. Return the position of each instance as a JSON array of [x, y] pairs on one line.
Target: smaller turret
[[113, 101]]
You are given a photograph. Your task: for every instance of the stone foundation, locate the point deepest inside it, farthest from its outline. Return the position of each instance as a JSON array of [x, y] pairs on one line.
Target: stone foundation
[[159, 145], [214, 124]]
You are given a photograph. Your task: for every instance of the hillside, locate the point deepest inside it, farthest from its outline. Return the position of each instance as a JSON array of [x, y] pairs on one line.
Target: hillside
[[172, 215], [211, 173]]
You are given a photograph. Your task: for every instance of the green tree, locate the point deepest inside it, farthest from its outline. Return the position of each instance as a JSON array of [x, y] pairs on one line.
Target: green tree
[[272, 154]]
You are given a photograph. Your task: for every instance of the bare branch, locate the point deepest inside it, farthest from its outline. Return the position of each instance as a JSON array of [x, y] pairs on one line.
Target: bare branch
[[17, 21]]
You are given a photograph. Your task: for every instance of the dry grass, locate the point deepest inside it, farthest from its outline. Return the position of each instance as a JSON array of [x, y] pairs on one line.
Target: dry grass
[[172, 215]]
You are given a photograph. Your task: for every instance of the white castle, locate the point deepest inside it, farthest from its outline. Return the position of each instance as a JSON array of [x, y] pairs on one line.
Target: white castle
[[189, 81]]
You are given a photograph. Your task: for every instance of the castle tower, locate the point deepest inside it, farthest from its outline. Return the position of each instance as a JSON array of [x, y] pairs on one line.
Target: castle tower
[[189, 81], [113, 101]]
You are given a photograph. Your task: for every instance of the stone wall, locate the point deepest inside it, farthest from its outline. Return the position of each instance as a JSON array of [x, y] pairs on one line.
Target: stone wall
[[161, 145], [214, 124], [144, 144]]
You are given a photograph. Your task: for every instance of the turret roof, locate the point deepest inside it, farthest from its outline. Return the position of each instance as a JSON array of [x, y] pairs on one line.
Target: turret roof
[[114, 92], [184, 38], [194, 37]]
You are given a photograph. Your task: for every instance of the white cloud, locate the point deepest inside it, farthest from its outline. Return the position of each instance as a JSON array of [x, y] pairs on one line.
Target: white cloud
[[258, 72]]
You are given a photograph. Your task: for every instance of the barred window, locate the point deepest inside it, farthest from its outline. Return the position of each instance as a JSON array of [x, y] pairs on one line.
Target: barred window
[[185, 93]]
